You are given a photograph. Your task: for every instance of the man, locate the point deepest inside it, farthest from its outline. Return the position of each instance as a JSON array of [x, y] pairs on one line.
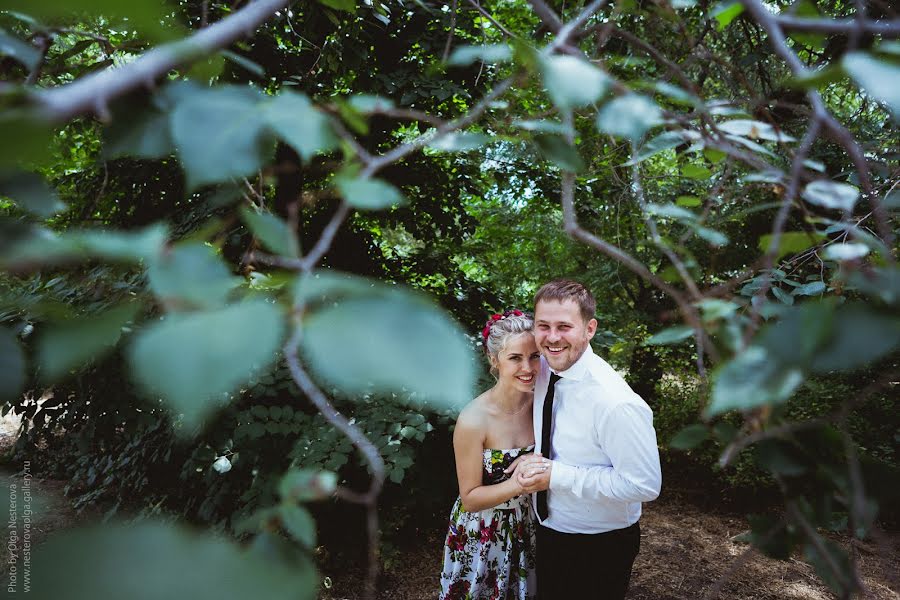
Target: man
[[597, 457]]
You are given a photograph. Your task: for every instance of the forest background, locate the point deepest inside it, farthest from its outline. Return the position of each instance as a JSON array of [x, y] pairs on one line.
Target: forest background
[[247, 248]]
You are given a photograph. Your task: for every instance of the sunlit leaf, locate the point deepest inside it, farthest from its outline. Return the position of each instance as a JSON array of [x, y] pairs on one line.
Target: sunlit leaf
[[369, 194], [831, 194], [688, 201], [725, 12], [878, 77], [491, 54], [66, 345], [699, 172], [191, 274], [12, 366], [31, 192], [192, 360], [572, 82], [273, 232], [139, 555], [790, 242], [755, 130], [363, 330], [629, 116]]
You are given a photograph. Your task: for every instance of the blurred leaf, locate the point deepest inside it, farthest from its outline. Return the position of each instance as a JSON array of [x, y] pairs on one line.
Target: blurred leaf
[[138, 133], [794, 339], [725, 12], [752, 379], [780, 457], [688, 201], [294, 119], [344, 5], [44, 247], [782, 296], [663, 141], [883, 283], [193, 274], [860, 337], [713, 237], [32, 136], [689, 437], [325, 287], [366, 103], [192, 360], [67, 345], [148, 561], [369, 194], [12, 366], [272, 231], [244, 62], [671, 335], [299, 523], [848, 251], [220, 133], [670, 211], [791, 242], [755, 129], [892, 200], [19, 50], [543, 126], [572, 82], [149, 17], [363, 330], [459, 141], [560, 152], [827, 553], [830, 194], [491, 54], [814, 288], [305, 485], [878, 77], [31, 192], [698, 172], [629, 116]]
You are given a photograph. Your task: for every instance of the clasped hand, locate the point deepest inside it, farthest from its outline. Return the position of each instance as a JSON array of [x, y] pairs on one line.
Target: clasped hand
[[531, 472]]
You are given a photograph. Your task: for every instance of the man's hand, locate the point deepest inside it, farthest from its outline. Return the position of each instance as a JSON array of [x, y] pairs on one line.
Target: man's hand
[[533, 473]]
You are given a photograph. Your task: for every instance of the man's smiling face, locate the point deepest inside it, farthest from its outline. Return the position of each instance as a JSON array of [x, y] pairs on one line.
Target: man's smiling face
[[561, 333]]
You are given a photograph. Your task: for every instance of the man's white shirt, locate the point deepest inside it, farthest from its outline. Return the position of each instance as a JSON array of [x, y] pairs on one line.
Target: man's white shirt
[[603, 447]]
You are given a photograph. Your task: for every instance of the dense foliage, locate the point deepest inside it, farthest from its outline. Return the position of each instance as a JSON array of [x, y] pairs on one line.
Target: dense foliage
[[212, 240]]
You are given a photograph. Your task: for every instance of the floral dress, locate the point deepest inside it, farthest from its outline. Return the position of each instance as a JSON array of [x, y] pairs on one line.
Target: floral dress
[[489, 554]]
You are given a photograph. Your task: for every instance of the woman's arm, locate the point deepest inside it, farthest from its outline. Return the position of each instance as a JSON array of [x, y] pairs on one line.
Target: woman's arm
[[468, 446]]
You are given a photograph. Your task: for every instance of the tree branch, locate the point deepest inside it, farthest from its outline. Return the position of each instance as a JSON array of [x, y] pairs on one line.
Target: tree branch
[[887, 29], [93, 93]]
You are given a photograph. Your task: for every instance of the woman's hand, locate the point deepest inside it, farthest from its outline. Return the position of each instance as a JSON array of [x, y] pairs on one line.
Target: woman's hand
[[515, 464]]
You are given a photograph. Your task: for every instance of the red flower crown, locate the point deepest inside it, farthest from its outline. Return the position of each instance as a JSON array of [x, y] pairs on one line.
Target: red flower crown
[[497, 317]]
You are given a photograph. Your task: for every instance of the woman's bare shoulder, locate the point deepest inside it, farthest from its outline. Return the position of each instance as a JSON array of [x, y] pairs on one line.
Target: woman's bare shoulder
[[475, 414]]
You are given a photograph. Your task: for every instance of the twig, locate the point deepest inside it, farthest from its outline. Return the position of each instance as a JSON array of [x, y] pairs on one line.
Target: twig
[[447, 46], [493, 21]]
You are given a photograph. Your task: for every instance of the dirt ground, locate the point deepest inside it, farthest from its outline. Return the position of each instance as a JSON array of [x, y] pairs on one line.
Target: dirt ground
[[684, 555]]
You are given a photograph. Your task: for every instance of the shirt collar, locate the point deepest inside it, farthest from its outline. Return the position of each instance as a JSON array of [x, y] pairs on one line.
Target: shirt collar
[[579, 370]]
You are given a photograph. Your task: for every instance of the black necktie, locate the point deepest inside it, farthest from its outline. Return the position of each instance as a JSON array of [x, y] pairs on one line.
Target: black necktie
[[546, 427]]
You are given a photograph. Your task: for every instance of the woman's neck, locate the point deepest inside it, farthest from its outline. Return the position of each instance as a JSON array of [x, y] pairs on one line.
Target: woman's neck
[[508, 399]]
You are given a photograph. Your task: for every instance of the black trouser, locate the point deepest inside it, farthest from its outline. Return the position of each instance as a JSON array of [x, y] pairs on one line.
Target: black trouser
[[580, 566]]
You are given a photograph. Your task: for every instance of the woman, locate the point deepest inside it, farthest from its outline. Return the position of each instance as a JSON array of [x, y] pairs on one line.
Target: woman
[[489, 552]]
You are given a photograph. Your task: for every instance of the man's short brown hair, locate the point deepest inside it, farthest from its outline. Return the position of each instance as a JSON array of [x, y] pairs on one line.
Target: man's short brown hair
[[561, 290]]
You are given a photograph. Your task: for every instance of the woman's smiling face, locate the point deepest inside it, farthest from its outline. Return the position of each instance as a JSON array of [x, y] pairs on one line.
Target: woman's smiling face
[[518, 363]]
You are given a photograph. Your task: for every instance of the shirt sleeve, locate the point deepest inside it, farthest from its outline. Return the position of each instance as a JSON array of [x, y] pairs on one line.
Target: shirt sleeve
[[634, 475]]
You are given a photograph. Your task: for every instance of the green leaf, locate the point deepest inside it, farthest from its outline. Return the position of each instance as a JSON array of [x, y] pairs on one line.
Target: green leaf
[[713, 237], [12, 366], [663, 141], [459, 141], [848, 251], [629, 116], [344, 5], [299, 523], [191, 274], [882, 283], [688, 201], [892, 200], [491, 54], [32, 136], [31, 192], [244, 62], [878, 77], [305, 485], [559, 151], [831, 194], [543, 126], [369, 194], [140, 554], [725, 12], [793, 340], [670, 211], [779, 457], [367, 103], [192, 360], [273, 232], [294, 119], [67, 345], [220, 133], [860, 337], [142, 134], [756, 130], [698, 172], [791, 242], [752, 379], [326, 287], [814, 288], [671, 335], [826, 554], [20, 50], [572, 82], [689, 437], [783, 296], [363, 331]]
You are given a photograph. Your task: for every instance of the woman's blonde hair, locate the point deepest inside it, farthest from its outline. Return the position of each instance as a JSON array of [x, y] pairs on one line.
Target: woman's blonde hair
[[500, 329]]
